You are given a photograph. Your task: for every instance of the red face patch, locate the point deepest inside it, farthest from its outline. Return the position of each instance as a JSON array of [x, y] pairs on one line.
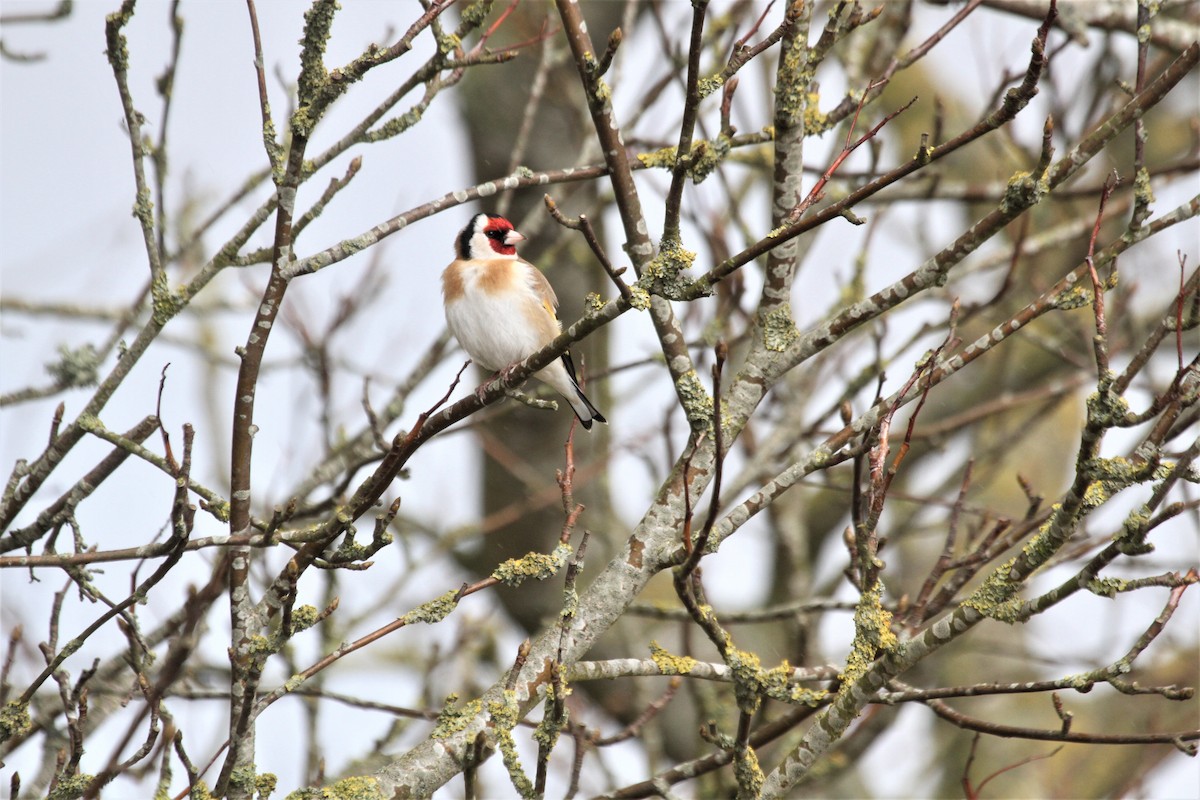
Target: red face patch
[[497, 231]]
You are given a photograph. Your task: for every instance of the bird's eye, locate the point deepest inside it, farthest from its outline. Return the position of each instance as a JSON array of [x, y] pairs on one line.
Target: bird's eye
[[494, 234]]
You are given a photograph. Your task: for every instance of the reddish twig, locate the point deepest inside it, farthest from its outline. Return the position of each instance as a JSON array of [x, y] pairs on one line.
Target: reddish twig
[[818, 190], [972, 792], [632, 729], [495, 26], [168, 455], [741, 42], [541, 36]]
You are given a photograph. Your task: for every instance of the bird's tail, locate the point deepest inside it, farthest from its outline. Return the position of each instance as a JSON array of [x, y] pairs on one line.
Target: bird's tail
[[580, 404]]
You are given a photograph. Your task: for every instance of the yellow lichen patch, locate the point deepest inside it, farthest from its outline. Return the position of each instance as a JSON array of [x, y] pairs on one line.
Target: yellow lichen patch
[[663, 158], [995, 590], [639, 298], [776, 682], [505, 714], [201, 792], [669, 664], [872, 635], [264, 785], [538, 566], [304, 618], [706, 86], [749, 774], [361, 787], [815, 122], [706, 156], [1077, 296]]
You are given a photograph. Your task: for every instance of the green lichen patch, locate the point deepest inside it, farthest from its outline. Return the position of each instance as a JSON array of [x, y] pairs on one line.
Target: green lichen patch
[[166, 303], [200, 791], [260, 646], [697, 402], [77, 367], [433, 611], [1107, 409], [1143, 191], [351, 550], [996, 594], [70, 788], [663, 158], [1078, 296], [1111, 475], [304, 618], [1131, 541], [778, 685], [1022, 192], [792, 90], [779, 330], [538, 566], [475, 14], [118, 50], [1107, 587], [264, 785], [707, 85], [748, 677], [397, 125], [454, 720], [14, 720], [547, 732], [219, 510], [664, 274]]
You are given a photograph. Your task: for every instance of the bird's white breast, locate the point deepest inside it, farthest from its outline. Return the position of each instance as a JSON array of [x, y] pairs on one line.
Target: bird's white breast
[[489, 318]]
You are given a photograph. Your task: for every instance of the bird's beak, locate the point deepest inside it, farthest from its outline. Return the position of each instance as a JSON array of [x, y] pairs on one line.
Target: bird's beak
[[512, 237]]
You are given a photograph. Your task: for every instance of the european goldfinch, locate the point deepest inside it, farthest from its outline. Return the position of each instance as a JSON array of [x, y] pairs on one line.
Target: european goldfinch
[[501, 308]]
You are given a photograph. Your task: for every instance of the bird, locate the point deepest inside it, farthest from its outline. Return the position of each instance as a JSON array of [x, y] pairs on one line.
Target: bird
[[501, 308]]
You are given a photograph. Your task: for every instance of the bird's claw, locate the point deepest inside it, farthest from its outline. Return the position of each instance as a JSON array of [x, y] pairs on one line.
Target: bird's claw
[[502, 375]]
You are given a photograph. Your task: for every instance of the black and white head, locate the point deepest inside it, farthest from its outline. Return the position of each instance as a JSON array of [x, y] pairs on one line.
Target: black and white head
[[487, 236]]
